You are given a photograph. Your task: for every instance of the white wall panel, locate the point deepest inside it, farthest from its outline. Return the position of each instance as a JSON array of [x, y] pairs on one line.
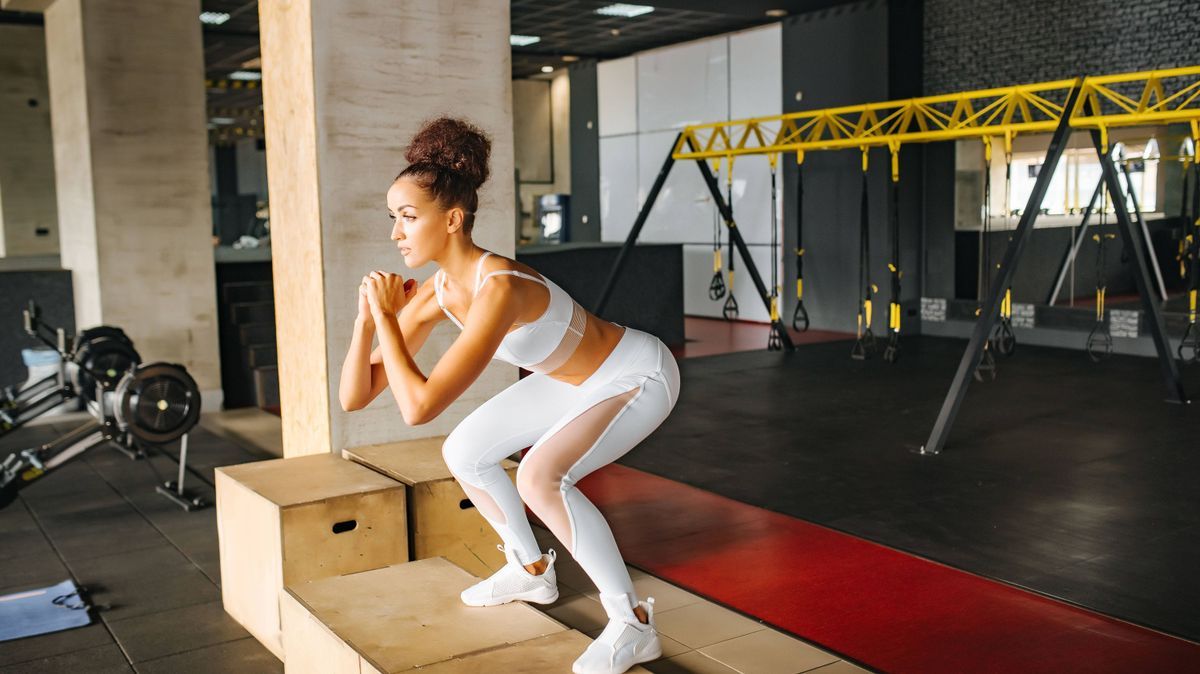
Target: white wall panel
[[684, 84], [684, 208], [752, 196], [616, 92], [619, 200], [756, 72]]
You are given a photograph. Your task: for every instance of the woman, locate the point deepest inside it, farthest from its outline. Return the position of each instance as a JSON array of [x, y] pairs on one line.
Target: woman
[[596, 391]]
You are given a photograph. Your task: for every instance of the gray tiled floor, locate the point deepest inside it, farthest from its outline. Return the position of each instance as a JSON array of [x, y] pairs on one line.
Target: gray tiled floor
[[151, 568]]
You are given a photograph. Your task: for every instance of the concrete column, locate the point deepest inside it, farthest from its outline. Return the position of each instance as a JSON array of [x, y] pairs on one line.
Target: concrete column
[[28, 215], [345, 85], [131, 160]]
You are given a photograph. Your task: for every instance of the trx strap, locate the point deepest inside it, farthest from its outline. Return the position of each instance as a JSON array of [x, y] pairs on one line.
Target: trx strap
[[987, 361], [892, 351], [730, 310], [1006, 339], [864, 346], [716, 287], [1099, 341], [1189, 345], [800, 315], [774, 339]]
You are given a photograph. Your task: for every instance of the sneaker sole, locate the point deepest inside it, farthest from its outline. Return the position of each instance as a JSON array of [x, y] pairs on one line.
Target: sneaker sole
[[540, 596]]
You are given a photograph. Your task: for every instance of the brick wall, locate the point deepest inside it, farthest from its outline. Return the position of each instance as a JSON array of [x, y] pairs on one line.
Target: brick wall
[[976, 44]]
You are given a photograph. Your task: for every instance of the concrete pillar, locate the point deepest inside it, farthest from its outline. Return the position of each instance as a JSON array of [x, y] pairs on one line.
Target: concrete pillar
[[28, 215], [131, 164], [345, 85]]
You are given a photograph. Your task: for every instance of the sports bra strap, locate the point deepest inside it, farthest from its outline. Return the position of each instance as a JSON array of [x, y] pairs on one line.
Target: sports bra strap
[[510, 272]]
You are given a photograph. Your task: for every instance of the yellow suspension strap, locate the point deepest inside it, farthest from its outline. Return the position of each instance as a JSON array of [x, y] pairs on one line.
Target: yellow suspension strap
[[1186, 162], [1099, 341], [987, 362], [864, 346], [800, 315], [775, 338], [892, 351], [730, 310], [1006, 339], [716, 287], [1189, 345]]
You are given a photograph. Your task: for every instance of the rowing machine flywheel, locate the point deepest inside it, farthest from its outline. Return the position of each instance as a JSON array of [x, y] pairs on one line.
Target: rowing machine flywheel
[[157, 402], [105, 351]]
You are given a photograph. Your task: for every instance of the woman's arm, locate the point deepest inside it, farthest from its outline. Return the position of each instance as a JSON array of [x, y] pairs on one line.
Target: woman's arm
[[421, 399], [363, 376]]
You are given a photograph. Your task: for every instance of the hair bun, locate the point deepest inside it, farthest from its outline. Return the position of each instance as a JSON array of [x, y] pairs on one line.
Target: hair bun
[[449, 144]]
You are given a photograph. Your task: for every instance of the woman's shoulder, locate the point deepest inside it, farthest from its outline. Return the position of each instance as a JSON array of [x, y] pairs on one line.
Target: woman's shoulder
[[496, 262]]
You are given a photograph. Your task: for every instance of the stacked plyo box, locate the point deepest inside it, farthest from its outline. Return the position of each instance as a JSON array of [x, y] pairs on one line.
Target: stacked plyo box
[[409, 617], [289, 521], [442, 521], [314, 564]]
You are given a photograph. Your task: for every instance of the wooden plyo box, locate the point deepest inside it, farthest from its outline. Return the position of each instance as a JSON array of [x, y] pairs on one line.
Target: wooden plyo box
[[551, 653], [399, 618], [289, 521], [442, 522]]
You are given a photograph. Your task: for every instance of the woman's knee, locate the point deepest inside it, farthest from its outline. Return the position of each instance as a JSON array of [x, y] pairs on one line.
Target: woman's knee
[[462, 456], [536, 483]]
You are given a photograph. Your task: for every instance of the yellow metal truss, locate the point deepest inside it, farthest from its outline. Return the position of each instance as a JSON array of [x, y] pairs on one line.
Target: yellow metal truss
[[1130, 99]]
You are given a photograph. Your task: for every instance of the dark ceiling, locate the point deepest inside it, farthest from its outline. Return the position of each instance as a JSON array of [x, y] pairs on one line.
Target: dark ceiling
[[569, 28]]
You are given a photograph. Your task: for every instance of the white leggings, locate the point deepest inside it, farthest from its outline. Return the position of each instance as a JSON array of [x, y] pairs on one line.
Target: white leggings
[[573, 431]]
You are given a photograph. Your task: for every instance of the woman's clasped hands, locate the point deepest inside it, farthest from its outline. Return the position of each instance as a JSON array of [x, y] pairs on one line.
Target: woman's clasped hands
[[384, 293]]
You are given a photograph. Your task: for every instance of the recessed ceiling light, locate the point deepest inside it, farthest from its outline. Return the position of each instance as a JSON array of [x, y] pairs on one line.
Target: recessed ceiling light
[[776, 13], [249, 75], [627, 11], [523, 40], [615, 32], [222, 120], [547, 69], [213, 18], [568, 58]]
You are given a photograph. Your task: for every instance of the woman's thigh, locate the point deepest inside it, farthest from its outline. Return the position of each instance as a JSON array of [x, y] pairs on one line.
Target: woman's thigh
[[603, 425], [509, 421]]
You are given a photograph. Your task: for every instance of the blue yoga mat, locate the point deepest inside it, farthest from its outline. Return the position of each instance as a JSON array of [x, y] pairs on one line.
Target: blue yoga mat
[[48, 609]]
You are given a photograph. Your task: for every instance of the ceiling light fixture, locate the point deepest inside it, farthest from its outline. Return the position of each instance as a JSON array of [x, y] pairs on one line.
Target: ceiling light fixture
[[523, 40], [213, 18], [222, 120], [627, 11], [568, 58], [247, 75], [547, 69], [776, 13]]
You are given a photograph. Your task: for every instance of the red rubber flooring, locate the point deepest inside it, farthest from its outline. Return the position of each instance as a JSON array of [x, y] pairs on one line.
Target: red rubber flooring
[[886, 609]]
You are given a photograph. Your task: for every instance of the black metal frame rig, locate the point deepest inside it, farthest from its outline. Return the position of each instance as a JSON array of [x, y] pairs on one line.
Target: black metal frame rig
[[987, 318], [735, 237]]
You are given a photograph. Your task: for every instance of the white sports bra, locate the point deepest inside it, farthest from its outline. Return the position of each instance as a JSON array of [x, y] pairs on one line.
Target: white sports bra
[[546, 343]]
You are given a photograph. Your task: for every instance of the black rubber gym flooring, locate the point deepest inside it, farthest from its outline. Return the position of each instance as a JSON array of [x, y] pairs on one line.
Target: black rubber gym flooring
[[1069, 478], [152, 568]]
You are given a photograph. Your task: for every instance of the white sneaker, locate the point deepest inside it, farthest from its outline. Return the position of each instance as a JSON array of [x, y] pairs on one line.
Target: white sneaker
[[624, 643], [512, 583]]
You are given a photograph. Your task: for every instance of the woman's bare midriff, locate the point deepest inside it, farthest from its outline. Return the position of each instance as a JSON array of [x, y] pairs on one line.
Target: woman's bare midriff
[[600, 337]]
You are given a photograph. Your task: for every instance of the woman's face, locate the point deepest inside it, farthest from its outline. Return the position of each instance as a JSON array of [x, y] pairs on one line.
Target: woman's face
[[419, 225]]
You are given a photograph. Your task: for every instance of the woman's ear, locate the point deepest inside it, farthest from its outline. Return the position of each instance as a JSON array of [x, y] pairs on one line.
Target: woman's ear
[[456, 220]]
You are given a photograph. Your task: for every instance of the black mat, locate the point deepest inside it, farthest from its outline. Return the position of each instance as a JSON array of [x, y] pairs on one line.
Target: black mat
[[1072, 479]]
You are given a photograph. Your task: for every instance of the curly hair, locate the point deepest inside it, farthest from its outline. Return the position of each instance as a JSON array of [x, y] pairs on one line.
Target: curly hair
[[448, 158]]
